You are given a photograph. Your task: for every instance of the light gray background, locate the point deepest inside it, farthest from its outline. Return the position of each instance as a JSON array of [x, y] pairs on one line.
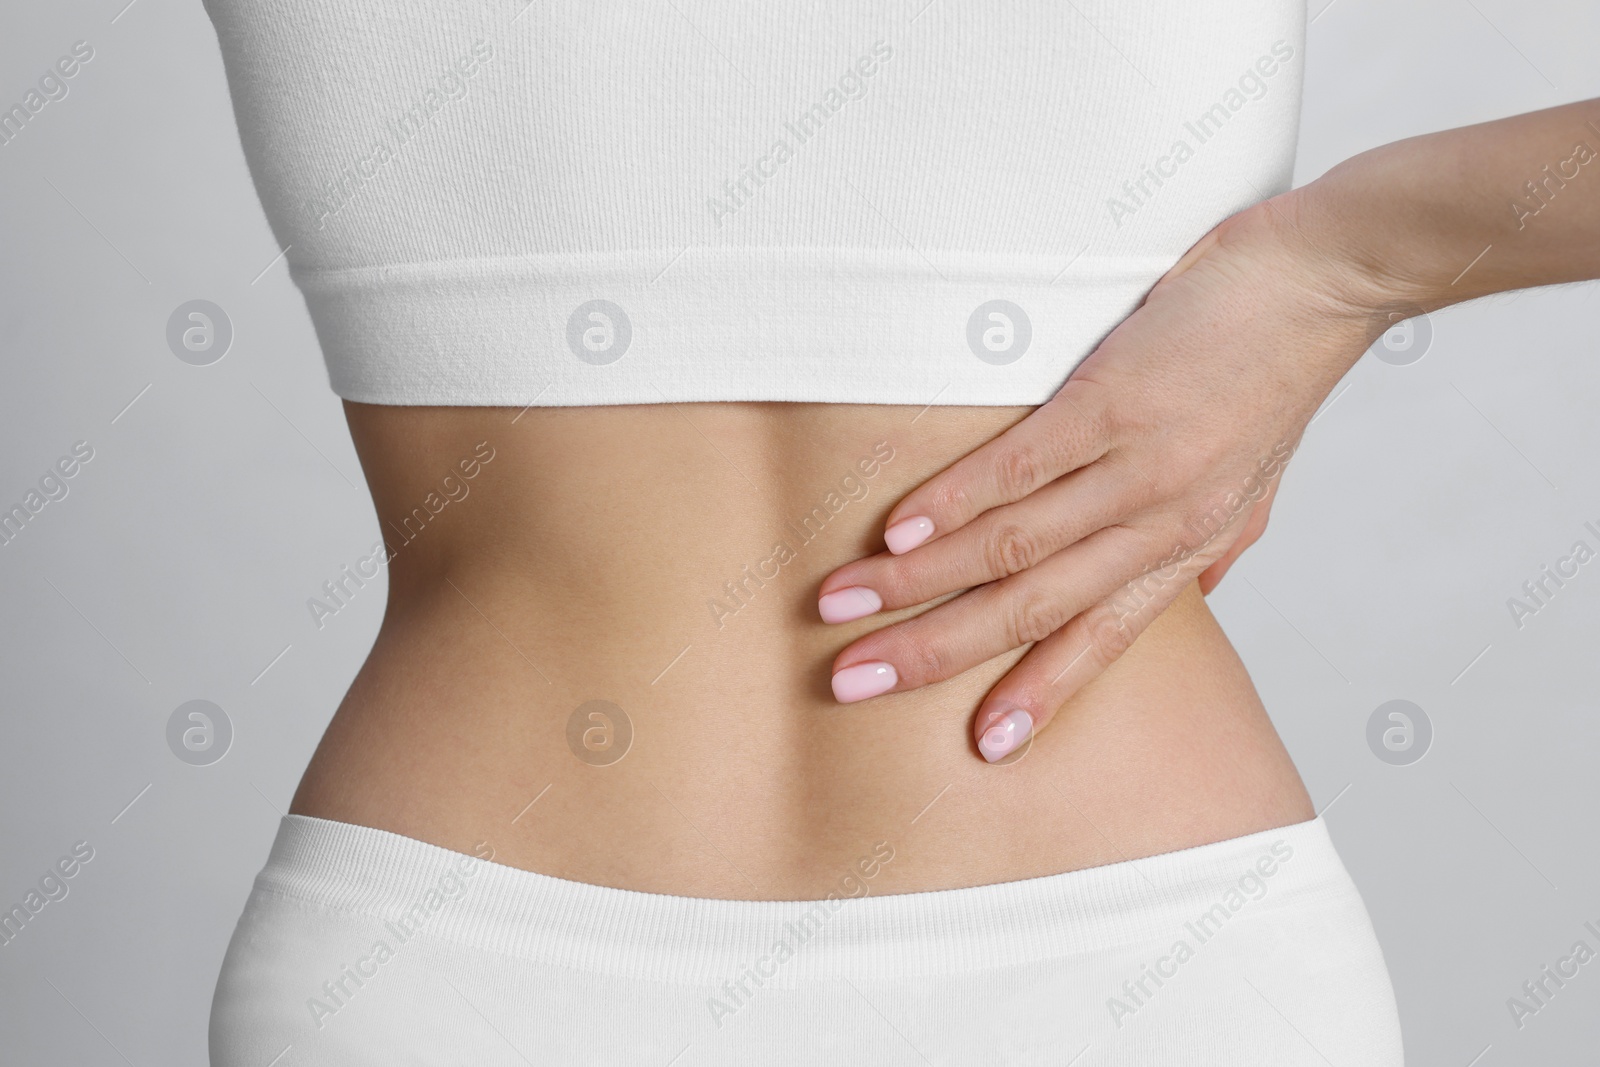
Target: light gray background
[[179, 565]]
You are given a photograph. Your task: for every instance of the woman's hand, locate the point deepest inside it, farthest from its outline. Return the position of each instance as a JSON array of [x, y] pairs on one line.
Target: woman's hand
[[1155, 464], [1158, 459]]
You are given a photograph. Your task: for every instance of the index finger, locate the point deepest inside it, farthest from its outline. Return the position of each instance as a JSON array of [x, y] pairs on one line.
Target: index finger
[[1065, 433]]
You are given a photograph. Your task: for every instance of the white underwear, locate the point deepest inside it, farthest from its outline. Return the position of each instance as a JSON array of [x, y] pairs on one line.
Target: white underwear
[[359, 946]]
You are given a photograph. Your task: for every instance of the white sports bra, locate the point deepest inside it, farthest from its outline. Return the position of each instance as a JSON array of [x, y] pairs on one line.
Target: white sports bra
[[576, 202]]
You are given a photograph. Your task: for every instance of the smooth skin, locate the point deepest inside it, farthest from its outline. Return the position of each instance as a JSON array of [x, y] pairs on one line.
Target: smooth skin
[[582, 563], [1157, 463]]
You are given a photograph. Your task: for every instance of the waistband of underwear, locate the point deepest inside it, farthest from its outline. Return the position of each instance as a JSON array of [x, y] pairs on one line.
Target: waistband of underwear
[[411, 888]]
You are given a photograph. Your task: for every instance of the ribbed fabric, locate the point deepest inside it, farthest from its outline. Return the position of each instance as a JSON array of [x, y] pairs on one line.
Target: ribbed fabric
[[578, 202], [532, 916], [359, 946]]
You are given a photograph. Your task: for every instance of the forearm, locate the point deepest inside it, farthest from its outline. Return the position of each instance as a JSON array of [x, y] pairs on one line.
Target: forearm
[[1445, 217]]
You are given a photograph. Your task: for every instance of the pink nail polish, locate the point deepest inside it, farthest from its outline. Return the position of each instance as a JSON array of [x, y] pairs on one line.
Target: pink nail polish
[[907, 534], [854, 602], [863, 680], [1004, 733]]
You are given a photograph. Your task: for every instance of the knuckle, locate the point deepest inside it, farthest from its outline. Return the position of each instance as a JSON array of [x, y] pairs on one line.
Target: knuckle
[[1018, 470], [893, 579], [951, 496], [1012, 549], [1129, 420], [1111, 633], [914, 578], [1093, 418], [1038, 699], [921, 659], [1034, 617]]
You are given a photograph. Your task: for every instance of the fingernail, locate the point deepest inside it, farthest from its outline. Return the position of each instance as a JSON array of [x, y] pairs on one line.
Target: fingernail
[[863, 680], [907, 534], [855, 602], [1004, 733]]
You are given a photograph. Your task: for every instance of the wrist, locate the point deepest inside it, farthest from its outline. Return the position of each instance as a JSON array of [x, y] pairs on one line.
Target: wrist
[[1450, 216], [1374, 254], [1343, 279], [1388, 249]]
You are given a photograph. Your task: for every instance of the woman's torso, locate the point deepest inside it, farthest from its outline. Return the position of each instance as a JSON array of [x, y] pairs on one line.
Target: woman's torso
[[665, 559], [609, 207]]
